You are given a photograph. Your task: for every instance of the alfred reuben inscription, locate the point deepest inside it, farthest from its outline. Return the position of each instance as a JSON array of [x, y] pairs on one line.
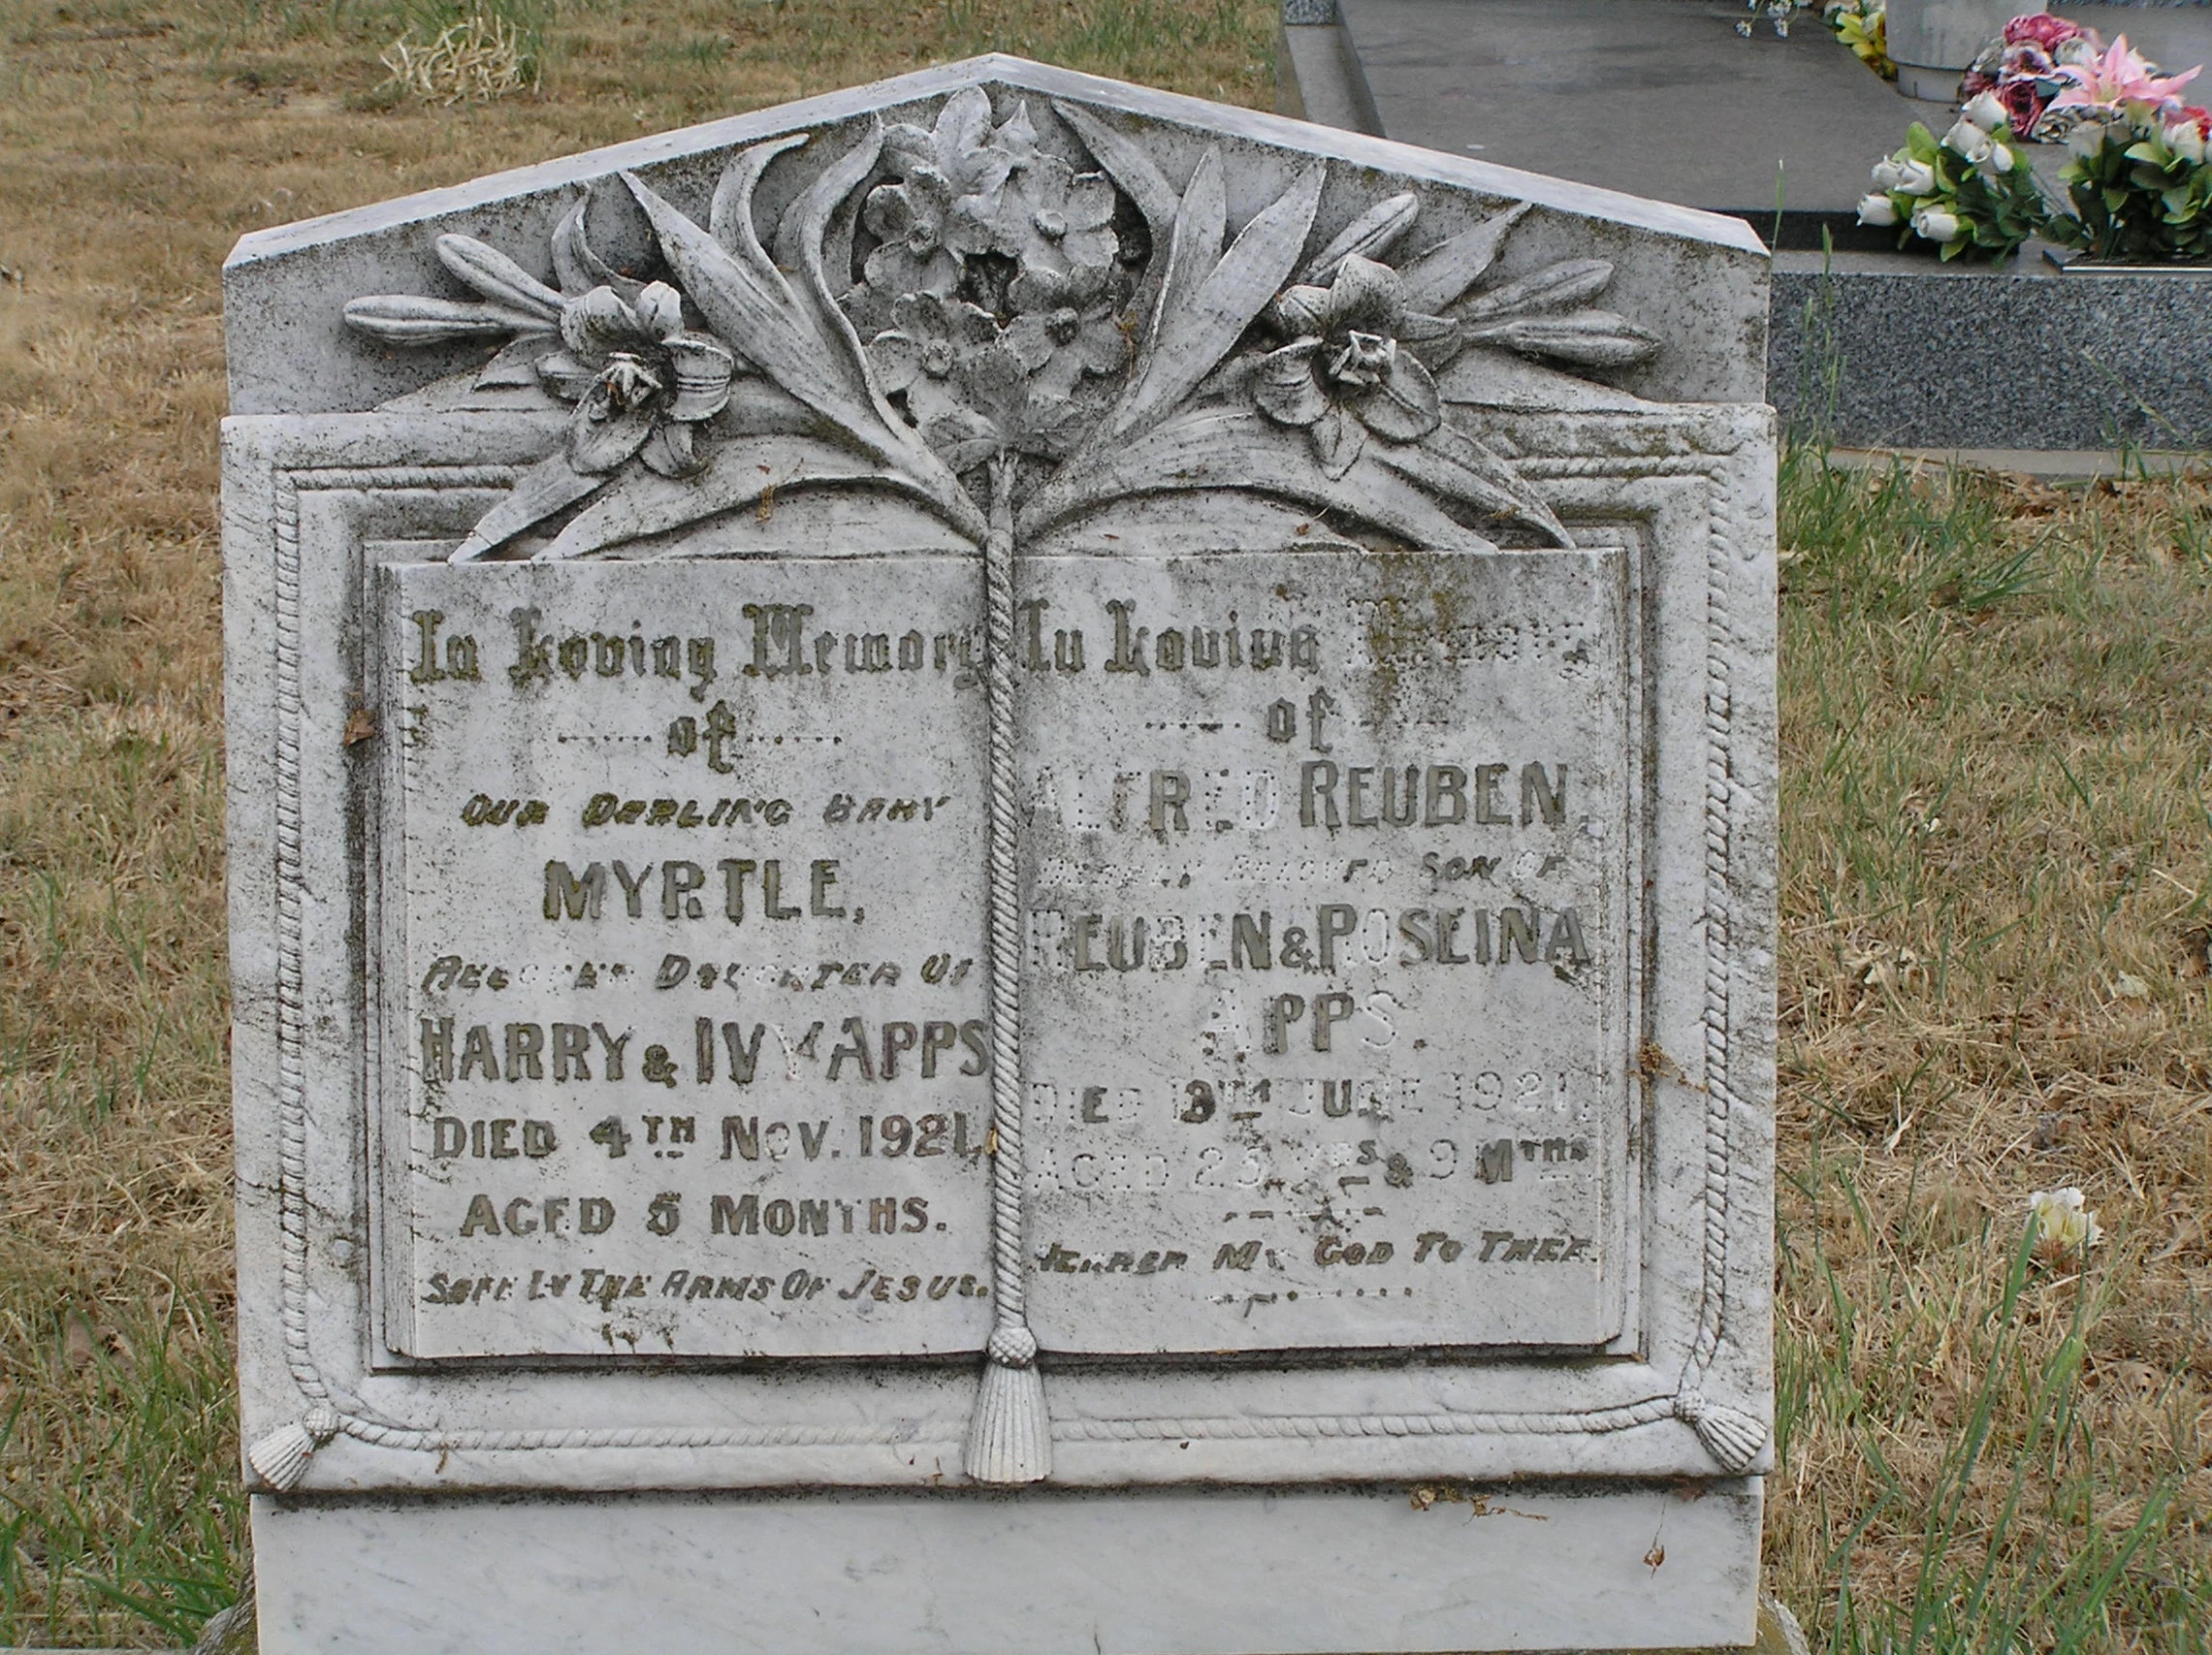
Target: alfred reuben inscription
[[1348, 840]]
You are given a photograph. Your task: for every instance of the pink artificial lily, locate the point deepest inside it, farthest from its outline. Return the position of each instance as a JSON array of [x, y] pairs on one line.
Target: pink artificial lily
[[2120, 76]]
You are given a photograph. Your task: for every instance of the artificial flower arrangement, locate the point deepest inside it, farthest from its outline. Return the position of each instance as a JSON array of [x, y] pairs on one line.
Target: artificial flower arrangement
[[2139, 187], [2138, 183], [1969, 192], [2051, 75], [1863, 26]]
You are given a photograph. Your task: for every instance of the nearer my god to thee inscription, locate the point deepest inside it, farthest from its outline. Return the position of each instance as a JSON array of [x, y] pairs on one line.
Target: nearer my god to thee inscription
[[1002, 781]]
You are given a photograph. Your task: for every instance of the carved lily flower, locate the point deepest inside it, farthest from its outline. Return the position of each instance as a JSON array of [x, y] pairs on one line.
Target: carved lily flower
[[1351, 367], [639, 377]]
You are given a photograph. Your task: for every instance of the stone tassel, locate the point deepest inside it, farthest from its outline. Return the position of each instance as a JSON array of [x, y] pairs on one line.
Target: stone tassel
[[1730, 1436], [280, 1459], [1010, 1434], [1009, 1437]]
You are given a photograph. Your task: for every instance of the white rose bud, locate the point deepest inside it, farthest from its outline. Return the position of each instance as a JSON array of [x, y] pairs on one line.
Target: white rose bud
[[1877, 209], [1888, 174], [1968, 139], [1987, 114], [2186, 139], [1916, 177], [1997, 162], [1935, 225]]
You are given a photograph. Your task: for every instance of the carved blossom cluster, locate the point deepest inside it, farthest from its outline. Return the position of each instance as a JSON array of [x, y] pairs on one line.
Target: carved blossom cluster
[[1005, 303], [993, 289]]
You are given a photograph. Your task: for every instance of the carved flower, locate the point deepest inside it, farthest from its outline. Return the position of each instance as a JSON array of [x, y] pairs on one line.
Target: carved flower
[[923, 225], [999, 409], [933, 336], [1351, 366], [946, 196], [1050, 217], [1067, 326], [639, 377]]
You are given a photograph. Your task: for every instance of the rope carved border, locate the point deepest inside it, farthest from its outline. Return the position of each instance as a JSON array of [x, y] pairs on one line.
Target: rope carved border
[[281, 1456]]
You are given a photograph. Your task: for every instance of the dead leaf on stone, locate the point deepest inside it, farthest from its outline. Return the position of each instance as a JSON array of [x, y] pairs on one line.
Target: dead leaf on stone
[[1656, 1557], [361, 725]]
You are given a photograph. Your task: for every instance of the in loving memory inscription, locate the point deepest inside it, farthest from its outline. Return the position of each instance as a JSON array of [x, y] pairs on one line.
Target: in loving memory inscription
[[691, 935], [1006, 780]]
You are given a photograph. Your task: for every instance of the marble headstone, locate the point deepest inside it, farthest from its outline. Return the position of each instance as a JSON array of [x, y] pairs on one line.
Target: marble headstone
[[1002, 881]]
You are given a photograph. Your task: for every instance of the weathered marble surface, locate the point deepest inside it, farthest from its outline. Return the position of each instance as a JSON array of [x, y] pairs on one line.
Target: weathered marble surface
[[1059, 787], [1162, 1572]]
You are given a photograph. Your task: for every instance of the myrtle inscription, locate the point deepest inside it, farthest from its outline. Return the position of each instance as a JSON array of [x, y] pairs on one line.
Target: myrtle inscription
[[685, 1038]]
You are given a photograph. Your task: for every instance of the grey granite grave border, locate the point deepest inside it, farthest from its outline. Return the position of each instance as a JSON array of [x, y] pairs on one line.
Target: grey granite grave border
[[1896, 350]]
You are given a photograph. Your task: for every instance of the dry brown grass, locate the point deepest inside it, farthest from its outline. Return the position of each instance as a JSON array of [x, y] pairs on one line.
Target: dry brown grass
[[1995, 810], [138, 139], [1997, 762]]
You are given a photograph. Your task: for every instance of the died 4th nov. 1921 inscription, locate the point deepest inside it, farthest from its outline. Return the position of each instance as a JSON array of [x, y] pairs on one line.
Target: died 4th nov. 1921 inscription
[[1328, 900]]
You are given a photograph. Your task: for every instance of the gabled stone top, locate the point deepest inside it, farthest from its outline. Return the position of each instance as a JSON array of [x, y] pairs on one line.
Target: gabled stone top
[[1684, 291]]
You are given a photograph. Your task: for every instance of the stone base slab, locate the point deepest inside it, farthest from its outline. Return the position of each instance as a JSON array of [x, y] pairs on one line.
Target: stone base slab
[[1172, 1572]]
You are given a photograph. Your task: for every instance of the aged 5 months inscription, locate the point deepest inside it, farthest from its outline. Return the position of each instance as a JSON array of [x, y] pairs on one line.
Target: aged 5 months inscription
[[684, 1049]]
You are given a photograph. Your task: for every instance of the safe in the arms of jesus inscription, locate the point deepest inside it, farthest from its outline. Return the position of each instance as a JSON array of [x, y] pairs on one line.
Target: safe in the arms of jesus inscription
[[698, 1064], [992, 779]]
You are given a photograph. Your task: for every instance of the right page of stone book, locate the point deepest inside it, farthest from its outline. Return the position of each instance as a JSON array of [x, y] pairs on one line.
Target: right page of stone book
[[1328, 875]]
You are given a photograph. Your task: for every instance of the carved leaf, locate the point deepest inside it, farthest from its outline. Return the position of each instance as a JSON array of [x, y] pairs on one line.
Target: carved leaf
[[802, 234], [1368, 236], [1449, 269], [1592, 338], [1194, 245], [497, 277], [1217, 449], [1207, 303], [745, 298], [578, 267], [1495, 378], [729, 213], [734, 476], [1554, 287], [1130, 167], [406, 319], [550, 486], [516, 365], [1450, 463], [799, 244]]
